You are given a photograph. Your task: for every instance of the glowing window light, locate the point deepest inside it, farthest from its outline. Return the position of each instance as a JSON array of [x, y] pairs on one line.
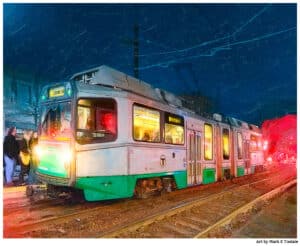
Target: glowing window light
[[240, 145], [208, 142], [174, 134], [225, 138], [146, 124]]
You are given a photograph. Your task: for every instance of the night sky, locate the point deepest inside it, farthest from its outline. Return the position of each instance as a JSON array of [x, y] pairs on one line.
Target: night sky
[[242, 56]]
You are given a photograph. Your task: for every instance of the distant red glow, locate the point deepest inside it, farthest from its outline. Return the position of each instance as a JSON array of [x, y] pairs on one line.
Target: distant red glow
[[280, 138]]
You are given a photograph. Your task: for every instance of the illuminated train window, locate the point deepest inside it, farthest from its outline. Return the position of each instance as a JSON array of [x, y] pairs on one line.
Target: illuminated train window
[[174, 129], [96, 120], [208, 141], [225, 137], [255, 143], [240, 145], [146, 124]]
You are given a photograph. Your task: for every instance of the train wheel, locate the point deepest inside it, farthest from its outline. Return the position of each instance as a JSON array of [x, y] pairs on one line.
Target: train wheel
[[147, 187], [141, 189], [154, 186]]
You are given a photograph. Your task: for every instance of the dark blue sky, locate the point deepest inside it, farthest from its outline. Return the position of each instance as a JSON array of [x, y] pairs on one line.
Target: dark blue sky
[[243, 56]]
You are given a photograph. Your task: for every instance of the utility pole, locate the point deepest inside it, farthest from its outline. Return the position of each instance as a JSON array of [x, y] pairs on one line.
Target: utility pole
[[136, 51], [135, 43]]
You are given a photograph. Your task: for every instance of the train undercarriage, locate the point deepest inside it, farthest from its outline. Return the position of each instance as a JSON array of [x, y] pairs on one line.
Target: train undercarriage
[[144, 188], [151, 186]]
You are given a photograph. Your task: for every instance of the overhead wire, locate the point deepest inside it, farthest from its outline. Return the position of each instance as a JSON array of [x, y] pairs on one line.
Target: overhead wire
[[214, 50], [214, 40]]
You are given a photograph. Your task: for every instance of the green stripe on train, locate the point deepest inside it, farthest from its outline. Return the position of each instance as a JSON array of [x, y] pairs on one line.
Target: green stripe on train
[[53, 165], [240, 171], [209, 175], [113, 187]]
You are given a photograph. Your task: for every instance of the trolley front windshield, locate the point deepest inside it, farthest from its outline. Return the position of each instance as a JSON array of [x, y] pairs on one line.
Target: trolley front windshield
[[56, 120]]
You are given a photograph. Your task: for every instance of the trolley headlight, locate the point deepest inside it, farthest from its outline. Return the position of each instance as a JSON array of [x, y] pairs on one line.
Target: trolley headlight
[[38, 151], [67, 155]]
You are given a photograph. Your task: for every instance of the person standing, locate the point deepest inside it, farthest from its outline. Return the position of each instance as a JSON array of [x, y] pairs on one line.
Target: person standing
[[24, 157], [11, 153], [34, 161]]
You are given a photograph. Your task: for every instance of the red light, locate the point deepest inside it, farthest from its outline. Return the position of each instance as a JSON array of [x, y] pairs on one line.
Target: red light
[[265, 146], [281, 137], [108, 121]]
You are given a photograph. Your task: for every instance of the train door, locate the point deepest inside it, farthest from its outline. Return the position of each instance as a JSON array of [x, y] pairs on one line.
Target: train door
[[232, 154], [240, 156], [247, 157], [218, 150], [194, 171], [222, 150], [226, 148]]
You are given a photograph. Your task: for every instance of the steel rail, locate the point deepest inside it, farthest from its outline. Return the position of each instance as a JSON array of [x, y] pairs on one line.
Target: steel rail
[[244, 209], [173, 211], [27, 227], [40, 224]]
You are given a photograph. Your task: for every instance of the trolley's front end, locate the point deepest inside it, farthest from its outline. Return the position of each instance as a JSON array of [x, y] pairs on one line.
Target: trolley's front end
[[55, 151]]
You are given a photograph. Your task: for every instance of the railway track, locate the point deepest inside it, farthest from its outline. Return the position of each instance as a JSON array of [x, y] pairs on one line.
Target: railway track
[[82, 211], [56, 212], [20, 204], [204, 217], [225, 226]]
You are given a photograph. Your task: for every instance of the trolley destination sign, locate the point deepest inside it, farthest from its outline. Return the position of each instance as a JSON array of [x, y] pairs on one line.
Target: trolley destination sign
[[57, 92]]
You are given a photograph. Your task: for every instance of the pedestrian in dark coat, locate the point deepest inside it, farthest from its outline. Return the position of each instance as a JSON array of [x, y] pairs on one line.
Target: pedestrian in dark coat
[[11, 154]]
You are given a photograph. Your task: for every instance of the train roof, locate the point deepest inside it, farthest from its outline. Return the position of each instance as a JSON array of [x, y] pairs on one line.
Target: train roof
[[109, 77]]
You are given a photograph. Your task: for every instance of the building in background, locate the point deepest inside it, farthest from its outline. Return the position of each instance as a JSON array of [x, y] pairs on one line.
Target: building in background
[[20, 99]]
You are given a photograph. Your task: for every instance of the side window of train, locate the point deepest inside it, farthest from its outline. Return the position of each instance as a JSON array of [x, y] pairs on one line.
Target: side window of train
[[240, 145], [174, 129], [96, 120], [208, 141], [225, 137], [255, 143], [146, 124]]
